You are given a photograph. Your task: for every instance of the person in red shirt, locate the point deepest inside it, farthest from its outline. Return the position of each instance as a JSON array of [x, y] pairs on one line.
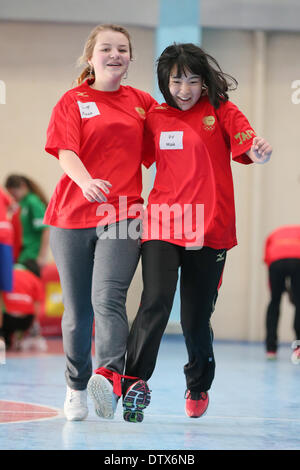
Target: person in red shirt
[[282, 257], [22, 304], [6, 251], [96, 132], [6, 241], [190, 219]]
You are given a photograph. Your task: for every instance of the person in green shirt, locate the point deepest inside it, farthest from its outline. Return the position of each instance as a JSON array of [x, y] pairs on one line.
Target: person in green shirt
[[32, 202]]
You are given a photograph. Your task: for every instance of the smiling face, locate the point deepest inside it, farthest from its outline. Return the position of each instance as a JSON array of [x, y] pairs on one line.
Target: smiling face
[[185, 89], [110, 58]]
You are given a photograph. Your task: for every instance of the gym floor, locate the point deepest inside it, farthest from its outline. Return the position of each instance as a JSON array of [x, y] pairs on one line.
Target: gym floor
[[254, 404]]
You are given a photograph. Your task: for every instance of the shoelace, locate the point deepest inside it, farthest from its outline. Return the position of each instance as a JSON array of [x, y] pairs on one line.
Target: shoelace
[[115, 378], [76, 397]]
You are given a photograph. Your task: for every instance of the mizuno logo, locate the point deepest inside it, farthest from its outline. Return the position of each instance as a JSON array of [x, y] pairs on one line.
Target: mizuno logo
[[220, 256]]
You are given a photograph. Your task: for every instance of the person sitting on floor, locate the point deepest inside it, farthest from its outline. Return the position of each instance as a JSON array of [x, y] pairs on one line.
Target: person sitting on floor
[[21, 308]]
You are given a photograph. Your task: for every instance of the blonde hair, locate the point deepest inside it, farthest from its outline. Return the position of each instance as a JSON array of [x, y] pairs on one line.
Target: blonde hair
[[89, 48]]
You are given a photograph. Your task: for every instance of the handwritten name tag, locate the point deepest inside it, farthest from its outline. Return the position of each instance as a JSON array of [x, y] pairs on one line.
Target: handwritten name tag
[[88, 110], [171, 140]]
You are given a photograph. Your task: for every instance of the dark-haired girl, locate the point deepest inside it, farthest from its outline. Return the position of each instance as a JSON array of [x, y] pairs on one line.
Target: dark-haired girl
[[32, 202], [192, 138]]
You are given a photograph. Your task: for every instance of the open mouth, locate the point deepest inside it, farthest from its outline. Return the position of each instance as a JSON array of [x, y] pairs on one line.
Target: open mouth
[[184, 100]]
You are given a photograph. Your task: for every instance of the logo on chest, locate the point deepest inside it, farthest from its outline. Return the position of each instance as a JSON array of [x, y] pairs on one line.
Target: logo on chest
[[82, 93], [141, 112], [171, 140], [209, 123]]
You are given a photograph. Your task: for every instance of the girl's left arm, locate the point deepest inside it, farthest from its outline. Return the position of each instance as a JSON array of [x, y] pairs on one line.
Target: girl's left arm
[[261, 150]]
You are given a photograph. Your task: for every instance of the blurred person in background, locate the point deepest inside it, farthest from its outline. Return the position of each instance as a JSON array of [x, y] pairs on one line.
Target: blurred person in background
[[34, 246], [32, 203], [21, 309], [282, 257], [6, 251]]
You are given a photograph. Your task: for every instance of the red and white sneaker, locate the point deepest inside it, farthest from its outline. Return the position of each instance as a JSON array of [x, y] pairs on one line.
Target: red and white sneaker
[[271, 355], [196, 403], [295, 357]]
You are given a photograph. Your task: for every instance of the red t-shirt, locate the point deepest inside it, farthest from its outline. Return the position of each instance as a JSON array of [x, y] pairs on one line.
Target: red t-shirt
[[105, 130], [17, 232], [192, 152], [283, 242], [27, 289], [6, 228]]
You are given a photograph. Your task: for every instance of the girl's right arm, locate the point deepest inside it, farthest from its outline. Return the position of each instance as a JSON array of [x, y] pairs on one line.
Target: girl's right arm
[[91, 188]]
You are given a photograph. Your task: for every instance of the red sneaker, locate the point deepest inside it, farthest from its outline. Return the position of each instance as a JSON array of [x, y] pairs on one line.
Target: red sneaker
[[196, 403], [271, 355]]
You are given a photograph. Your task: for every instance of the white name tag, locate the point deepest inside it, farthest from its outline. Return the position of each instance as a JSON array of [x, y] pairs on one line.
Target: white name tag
[[88, 110], [171, 140]]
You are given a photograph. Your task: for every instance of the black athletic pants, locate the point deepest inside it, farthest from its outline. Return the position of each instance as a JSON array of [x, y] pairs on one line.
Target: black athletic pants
[[279, 272], [201, 271]]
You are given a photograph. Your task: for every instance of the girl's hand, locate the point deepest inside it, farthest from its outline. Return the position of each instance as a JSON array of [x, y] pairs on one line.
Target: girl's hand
[[260, 151], [93, 190]]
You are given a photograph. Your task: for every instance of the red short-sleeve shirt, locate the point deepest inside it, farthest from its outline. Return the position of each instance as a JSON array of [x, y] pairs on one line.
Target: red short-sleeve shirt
[[284, 242], [105, 130], [192, 150], [6, 229], [27, 289]]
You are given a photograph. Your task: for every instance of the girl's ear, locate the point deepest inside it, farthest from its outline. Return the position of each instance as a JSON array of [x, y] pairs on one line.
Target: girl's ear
[[204, 90]]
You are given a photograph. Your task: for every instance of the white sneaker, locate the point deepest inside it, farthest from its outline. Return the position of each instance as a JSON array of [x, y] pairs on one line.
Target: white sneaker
[[36, 343], [75, 406], [101, 392]]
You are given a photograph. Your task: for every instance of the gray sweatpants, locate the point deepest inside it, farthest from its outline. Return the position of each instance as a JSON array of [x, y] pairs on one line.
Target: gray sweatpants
[[96, 267]]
